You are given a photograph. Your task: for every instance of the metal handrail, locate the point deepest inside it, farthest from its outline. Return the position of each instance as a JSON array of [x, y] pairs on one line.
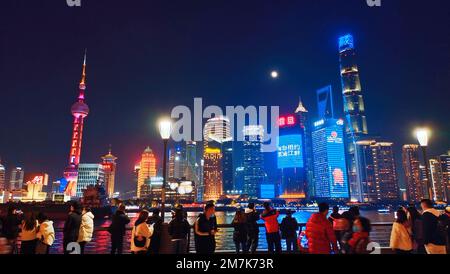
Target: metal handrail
[[300, 225]]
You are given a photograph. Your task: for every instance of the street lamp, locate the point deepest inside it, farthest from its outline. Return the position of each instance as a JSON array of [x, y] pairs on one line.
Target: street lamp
[[165, 129], [422, 135]]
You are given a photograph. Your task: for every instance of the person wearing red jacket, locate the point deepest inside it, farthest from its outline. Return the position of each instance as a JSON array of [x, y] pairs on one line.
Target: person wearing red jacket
[[320, 234], [270, 216]]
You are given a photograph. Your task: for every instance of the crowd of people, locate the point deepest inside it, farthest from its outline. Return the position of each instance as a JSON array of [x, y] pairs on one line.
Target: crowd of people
[[425, 232]]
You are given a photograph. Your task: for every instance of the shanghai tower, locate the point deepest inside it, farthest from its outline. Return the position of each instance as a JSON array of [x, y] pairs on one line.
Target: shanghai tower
[[79, 111], [355, 117]]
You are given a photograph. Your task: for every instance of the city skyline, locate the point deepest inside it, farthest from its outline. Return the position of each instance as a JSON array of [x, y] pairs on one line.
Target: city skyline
[[131, 129]]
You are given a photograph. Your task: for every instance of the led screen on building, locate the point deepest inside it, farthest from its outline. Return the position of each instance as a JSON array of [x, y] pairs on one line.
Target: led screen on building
[[336, 162], [290, 151], [267, 191]]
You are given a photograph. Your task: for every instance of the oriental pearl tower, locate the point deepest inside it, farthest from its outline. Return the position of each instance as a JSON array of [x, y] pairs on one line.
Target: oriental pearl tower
[[79, 111]]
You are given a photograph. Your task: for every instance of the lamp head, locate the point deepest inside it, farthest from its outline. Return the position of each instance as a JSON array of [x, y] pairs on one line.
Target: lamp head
[[422, 135], [165, 129]]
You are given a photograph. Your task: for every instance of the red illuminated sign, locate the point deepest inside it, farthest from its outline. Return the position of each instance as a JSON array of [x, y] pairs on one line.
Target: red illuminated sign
[[286, 121]]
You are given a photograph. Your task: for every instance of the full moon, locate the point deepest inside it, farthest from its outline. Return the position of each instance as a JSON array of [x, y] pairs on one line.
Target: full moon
[[274, 74]]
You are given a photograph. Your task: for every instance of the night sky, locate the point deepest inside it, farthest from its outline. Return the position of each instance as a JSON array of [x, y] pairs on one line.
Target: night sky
[[145, 57]]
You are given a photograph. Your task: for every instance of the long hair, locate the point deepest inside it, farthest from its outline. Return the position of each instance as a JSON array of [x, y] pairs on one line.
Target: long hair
[[239, 217], [365, 223], [414, 213], [30, 221], [142, 218], [401, 216], [179, 214]]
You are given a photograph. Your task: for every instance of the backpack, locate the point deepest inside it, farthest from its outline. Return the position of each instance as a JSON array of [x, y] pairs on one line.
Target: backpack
[[137, 242]]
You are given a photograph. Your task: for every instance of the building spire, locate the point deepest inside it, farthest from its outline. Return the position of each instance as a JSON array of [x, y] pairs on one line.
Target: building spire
[[300, 107], [83, 74], [82, 85]]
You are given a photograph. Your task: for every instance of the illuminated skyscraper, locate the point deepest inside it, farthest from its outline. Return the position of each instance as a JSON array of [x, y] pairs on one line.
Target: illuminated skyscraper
[[193, 170], [445, 169], [254, 174], [305, 124], [109, 167], [227, 167], [16, 179], [212, 174], [379, 182], [217, 131], [79, 111], [89, 175], [147, 169], [437, 180], [177, 162], [2, 176], [411, 168], [355, 118], [330, 173], [291, 150]]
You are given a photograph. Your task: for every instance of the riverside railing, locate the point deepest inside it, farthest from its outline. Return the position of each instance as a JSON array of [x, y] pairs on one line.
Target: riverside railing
[[101, 241]]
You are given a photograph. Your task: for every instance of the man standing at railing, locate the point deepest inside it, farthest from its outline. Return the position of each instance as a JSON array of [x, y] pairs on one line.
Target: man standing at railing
[[205, 230], [252, 217], [433, 233], [117, 229], [270, 216]]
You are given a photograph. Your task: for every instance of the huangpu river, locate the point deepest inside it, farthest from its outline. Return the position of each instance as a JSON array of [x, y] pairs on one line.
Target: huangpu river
[[100, 243]]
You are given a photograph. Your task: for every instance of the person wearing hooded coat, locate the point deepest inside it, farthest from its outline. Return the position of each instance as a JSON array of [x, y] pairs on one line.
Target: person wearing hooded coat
[[72, 226], [86, 228]]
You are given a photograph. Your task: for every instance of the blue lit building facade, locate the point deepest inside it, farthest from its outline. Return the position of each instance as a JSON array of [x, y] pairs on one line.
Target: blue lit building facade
[[253, 165], [354, 110], [330, 170], [227, 167], [291, 160]]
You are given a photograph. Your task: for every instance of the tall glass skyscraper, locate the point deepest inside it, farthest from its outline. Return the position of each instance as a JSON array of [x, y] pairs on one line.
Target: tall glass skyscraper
[[2, 176], [379, 179], [227, 167], [291, 151], [217, 131], [330, 173], [444, 160], [147, 169], [254, 174], [411, 169], [109, 167], [89, 175], [16, 179], [355, 118]]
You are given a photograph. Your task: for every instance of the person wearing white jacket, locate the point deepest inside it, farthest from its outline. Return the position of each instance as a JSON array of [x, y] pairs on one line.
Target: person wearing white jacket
[[141, 234], [86, 228], [45, 234], [401, 241]]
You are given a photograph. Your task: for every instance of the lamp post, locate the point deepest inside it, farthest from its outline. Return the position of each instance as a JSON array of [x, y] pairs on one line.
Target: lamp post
[[165, 129], [422, 135]]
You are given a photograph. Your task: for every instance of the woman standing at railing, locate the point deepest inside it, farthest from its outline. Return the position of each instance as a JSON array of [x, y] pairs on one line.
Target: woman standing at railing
[[141, 234], [28, 234], [179, 229], [45, 234], [401, 241], [416, 223]]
